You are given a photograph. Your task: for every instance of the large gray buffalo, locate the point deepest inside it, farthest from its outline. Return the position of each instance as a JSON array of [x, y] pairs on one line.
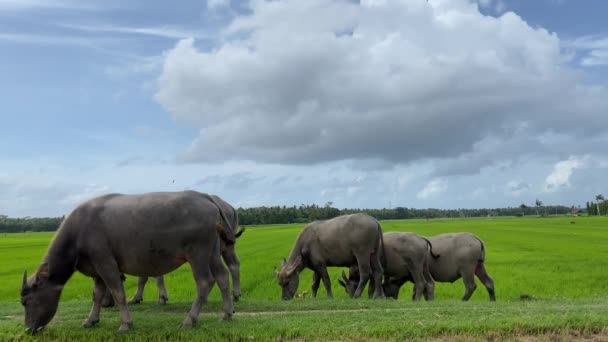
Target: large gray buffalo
[[461, 255], [405, 258], [228, 254], [341, 241], [143, 235]]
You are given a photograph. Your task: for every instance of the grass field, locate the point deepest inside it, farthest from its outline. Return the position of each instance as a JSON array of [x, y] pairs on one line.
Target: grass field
[[559, 262]]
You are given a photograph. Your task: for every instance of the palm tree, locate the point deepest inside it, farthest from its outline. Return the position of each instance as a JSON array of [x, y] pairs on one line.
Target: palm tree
[[539, 204], [599, 198]]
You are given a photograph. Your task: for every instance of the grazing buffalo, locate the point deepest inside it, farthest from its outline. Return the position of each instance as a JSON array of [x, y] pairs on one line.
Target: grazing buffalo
[[228, 254], [143, 235], [462, 255], [405, 258], [341, 241]]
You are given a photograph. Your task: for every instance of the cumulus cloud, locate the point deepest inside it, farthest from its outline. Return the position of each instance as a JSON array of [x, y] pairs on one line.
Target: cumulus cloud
[[433, 189], [304, 82], [559, 178], [594, 49]]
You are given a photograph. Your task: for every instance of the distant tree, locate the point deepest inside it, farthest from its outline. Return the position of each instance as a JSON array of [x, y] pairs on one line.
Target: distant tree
[[523, 208], [598, 199], [538, 205]]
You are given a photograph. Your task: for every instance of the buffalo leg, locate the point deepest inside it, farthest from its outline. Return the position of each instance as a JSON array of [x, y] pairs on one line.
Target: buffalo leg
[[326, 282], [392, 286], [316, 281], [107, 300], [371, 289], [364, 274], [99, 291], [108, 271], [220, 274], [469, 284], [485, 278], [376, 279], [418, 278], [234, 266], [138, 297], [429, 288], [163, 296], [202, 275]]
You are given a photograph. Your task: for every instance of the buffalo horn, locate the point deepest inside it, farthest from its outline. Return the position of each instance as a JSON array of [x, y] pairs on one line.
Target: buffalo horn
[[24, 283]]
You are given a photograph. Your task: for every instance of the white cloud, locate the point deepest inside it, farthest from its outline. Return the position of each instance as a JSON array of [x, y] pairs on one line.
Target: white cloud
[[304, 82], [172, 32], [594, 49], [559, 178], [36, 39], [433, 189]]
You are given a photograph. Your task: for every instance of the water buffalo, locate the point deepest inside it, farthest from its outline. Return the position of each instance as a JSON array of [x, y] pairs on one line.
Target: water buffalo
[[405, 258], [341, 241], [143, 235], [228, 254], [462, 255]]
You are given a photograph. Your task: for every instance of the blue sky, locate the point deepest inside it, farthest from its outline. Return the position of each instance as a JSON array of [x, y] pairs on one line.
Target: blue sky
[[445, 103]]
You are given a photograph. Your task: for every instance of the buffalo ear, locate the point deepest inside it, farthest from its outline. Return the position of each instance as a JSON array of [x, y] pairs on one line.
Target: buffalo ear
[[342, 283], [276, 273], [283, 263]]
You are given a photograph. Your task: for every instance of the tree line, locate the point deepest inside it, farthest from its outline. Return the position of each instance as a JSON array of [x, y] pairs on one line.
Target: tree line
[[31, 224], [308, 213], [598, 207]]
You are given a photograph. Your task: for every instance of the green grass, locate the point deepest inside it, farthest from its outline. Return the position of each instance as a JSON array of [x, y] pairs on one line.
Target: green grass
[[561, 265]]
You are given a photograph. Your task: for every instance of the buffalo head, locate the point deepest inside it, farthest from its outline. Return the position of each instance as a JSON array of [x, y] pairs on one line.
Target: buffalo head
[[289, 278], [350, 285], [40, 299]]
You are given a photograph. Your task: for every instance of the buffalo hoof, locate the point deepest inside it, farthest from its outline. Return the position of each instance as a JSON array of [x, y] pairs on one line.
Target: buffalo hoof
[[188, 323], [163, 300], [135, 301], [90, 323], [236, 297], [227, 316], [124, 327]]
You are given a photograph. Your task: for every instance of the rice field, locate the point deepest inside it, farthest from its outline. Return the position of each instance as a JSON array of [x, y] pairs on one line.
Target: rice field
[[551, 278]]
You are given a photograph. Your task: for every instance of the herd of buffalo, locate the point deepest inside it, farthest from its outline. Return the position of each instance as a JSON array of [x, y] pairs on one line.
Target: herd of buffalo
[[152, 234]]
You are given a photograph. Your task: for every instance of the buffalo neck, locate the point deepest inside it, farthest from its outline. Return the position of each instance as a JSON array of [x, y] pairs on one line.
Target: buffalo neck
[[296, 257], [62, 256]]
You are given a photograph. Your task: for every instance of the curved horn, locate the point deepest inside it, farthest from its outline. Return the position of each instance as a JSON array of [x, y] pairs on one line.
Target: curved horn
[[24, 283], [241, 231]]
